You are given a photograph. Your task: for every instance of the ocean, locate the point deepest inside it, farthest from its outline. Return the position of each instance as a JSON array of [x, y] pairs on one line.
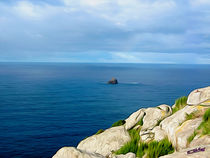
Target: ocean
[[45, 106]]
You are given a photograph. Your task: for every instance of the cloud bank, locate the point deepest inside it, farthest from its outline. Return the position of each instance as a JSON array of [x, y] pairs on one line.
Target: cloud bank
[[136, 31]]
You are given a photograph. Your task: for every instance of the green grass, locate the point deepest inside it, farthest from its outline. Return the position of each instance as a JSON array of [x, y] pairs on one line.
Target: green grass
[[179, 104], [205, 125], [206, 115], [190, 138], [191, 116], [118, 123], [131, 146], [100, 131], [153, 149], [203, 128], [140, 122], [157, 149]]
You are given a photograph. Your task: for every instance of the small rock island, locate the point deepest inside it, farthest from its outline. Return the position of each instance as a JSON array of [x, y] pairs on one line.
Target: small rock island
[[113, 81]]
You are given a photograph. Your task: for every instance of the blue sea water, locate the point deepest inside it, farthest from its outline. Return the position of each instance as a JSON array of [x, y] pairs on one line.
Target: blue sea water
[[45, 106]]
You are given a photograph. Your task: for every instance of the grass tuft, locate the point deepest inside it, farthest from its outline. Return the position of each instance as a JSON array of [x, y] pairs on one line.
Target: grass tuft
[[118, 123], [179, 104], [99, 131], [153, 149], [190, 138], [157, 149], [140, 122]]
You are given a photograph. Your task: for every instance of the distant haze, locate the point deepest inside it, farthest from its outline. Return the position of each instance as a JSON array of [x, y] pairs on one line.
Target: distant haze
[[105, 31]]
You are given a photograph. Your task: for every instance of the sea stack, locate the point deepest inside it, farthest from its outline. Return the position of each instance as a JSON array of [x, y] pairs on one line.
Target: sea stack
[[113, 81]]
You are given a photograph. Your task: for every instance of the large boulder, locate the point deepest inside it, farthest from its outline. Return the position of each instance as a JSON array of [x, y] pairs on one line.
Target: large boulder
[[200, 140], [111, 139], [184, 131], [200, 152], [71, 152], [159, 133], [134, 118], [199, 96], [154, 115], [171, 124]]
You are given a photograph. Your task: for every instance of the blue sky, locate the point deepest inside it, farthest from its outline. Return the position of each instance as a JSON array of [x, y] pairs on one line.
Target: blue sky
[[118, 31]]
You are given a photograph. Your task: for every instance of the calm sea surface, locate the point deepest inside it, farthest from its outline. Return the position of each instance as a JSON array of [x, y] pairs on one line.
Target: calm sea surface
[[45, 106]]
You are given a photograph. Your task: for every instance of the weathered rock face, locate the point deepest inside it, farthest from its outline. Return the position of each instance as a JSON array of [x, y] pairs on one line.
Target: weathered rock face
[[113, 81], [183, 153], [171, 125], [159, 134], [134, 118], [128, 155], [111, 139], [200, 140], [151, 119], [184, 131], [199, 96], [71, 152]]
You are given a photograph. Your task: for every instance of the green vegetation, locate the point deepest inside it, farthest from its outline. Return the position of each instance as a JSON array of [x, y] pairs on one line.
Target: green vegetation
[[190, 138], [204, 127], [156, 149], [140, 122], [131, 146], [118, 123], [153, 149], [206, 116], [180, 103], [193, 115], [100, 131]]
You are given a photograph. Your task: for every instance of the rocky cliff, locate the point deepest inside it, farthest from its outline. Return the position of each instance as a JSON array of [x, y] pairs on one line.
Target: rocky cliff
[[182, 130]]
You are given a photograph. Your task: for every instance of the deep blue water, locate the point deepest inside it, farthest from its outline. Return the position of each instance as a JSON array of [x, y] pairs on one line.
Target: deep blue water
[[45, 106]]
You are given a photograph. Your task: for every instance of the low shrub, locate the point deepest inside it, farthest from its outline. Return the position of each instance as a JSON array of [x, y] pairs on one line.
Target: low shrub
[[118, 123], [180, 103]]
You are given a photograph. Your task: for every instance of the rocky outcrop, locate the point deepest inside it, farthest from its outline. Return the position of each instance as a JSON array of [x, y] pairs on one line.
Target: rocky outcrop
[[153, 116], [199, 96], [200, 152], [110, 140], [184, 131], [71, 152], [155, 123], [171, 124], [113, 81]]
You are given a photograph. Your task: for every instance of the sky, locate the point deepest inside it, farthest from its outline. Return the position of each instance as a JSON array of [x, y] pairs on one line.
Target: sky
[[105, 31]]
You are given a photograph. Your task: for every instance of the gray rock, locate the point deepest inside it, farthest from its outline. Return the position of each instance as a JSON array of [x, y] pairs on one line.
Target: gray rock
[[199, 96], [71, 152], [110, 140], [200, 140], [134, 118], [128, 155], [171, 124]]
